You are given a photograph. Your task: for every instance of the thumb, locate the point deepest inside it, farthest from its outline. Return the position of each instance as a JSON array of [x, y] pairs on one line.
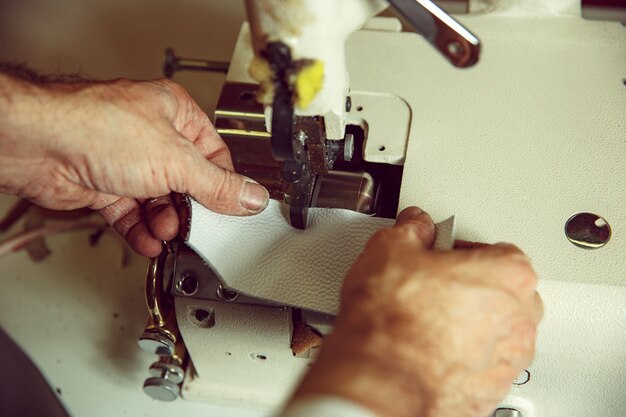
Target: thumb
[[224, 191], [417, 222]]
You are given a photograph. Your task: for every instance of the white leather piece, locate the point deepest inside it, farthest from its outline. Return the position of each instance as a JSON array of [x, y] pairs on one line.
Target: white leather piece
[[263, 256]]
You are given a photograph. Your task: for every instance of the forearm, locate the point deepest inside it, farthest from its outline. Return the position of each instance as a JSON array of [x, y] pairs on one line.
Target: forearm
[[22, 110]]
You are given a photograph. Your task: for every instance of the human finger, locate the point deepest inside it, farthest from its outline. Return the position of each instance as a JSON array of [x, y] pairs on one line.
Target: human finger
[[162, 217], [210, 145], [125, 216], [222, 190], [465, 244], [195, 125], [417, 223]]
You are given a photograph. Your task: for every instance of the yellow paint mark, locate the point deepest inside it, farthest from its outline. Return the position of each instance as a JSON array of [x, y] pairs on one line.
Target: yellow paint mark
[[309, 82]]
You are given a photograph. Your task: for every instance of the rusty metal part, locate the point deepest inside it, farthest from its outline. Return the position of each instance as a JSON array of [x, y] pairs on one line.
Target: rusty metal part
[[240, 121]]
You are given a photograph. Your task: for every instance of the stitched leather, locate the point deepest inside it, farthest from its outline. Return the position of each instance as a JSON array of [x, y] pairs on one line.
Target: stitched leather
[[263, 256]]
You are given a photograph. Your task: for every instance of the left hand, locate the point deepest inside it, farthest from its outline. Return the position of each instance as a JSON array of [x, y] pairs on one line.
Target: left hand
[[120, 147]]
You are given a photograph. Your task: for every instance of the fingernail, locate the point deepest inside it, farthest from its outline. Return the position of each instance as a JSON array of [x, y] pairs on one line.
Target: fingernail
[[409, 213], [254, 197]]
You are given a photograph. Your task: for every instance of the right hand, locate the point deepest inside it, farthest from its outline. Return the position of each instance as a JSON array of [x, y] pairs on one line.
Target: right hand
[[429, 333]]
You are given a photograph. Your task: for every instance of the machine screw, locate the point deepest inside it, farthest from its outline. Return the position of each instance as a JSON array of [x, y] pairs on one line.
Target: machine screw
[[187, 285], [226, 294]]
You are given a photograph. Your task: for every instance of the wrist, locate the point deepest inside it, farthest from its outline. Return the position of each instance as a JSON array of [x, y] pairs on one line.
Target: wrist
[[370, 378], [28, 114]]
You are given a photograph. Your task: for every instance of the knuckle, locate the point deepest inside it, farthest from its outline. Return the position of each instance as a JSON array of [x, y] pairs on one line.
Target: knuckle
[[225, 187]]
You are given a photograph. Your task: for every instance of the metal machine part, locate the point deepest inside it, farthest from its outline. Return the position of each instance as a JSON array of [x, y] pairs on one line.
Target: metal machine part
[[444, 33], [282, 52], [166, 376], [161, 335], [355, 191], [173, 64], [334, 176], [507, 412], [588, 231]]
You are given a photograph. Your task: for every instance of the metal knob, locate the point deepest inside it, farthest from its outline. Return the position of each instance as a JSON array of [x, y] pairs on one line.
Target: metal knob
[[165, 380], [161, 389], [157, 342]]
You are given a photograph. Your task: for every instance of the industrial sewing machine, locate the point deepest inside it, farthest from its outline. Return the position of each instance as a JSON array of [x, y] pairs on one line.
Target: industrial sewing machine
[[527, 146]]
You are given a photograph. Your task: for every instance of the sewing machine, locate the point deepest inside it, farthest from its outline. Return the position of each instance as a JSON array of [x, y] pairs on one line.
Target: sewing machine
[[524, 142]]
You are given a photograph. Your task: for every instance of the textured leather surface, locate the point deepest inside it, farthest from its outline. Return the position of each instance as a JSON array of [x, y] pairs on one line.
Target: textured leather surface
[[263, 256]]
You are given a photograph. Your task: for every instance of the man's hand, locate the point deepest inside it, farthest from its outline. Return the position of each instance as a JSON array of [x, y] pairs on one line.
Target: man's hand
[[423, 333], [119, 147]]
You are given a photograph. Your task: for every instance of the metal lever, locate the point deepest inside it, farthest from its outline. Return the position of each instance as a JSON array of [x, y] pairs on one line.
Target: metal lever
[[158, 337], [173, 63], [447, 35]]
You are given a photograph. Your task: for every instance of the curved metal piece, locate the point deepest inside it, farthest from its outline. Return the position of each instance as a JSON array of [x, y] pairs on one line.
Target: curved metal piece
[[154, 289], [447, 35]]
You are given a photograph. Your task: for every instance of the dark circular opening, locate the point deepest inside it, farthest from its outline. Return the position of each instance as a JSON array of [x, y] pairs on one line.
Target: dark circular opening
[[201, 315], [261, 357], [587, 230], [246, 96], [189, 285], [381, 148], [359, 108]]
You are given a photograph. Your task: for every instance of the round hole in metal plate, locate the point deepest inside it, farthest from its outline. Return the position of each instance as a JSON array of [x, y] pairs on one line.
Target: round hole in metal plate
[[202, 317], [261, 357], [382, 148], [588, 230]]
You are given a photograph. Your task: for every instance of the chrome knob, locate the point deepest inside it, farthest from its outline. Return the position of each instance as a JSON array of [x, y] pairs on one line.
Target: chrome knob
[[163, 385], [157, 342], [161, 389]]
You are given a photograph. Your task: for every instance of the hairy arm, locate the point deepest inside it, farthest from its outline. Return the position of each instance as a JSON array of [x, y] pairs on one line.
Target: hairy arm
[[119, 147]]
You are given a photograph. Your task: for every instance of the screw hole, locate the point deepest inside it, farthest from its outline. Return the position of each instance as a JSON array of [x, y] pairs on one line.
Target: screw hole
[[359, 108], [246, 96], [187, 285], [201, 315], [381, 148], [202, 318], [226, 294], [455, 48], [261, 357]]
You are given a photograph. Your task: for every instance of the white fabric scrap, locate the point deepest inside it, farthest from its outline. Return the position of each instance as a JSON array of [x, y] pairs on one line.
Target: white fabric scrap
[[265, 257]]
